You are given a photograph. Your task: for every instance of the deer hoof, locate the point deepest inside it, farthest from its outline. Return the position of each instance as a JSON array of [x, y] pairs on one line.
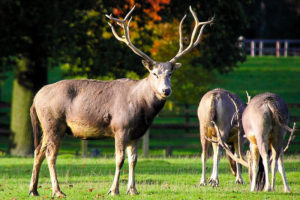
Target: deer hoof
[[202, 184], [287, 190], [239, 181], [214, 182], [268, 189], [33, 193], [132, 191], [59, 194], [113, 192]]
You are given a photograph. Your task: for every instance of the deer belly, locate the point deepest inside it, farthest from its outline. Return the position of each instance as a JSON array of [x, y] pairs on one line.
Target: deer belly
[[86, 131]]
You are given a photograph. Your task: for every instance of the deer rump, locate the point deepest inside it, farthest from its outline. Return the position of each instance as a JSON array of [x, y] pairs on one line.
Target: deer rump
[[275, 112], [213, 114], [220, 108]]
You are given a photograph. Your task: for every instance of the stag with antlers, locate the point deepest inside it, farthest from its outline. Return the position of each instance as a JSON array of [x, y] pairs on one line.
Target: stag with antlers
[[89, 109], [265, 122], [220, 106]]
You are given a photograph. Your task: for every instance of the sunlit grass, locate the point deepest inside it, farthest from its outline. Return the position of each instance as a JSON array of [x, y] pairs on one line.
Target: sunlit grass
[[156, 178]]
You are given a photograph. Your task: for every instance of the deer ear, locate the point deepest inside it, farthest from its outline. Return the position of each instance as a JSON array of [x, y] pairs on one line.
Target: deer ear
[[148, 65], [176, 66]]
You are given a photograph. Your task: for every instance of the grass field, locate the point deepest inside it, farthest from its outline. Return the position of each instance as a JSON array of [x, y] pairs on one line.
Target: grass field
[[156, 178], [265, 74]]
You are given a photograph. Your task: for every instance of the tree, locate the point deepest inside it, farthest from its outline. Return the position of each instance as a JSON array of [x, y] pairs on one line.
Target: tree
[[36, 35]]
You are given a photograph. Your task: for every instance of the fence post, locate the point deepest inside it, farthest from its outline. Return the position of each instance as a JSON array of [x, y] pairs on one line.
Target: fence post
[[286, 46], [252, 48], [277, 48], [146, 144], [84, 148], [261, 46]]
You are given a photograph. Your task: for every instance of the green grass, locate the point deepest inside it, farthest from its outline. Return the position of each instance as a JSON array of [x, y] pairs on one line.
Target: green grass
[[85, 178], [265, 74]]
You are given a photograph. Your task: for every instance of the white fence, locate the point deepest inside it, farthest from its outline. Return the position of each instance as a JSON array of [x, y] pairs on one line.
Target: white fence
[[280, 47]]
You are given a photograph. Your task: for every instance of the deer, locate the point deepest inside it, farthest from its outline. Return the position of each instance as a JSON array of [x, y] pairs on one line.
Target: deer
[[122, 109], [218, 105], [265, 122]]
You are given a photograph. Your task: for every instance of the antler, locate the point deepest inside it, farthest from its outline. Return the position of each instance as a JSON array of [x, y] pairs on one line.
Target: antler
[[236, 114], [192, 42], [126, 37], [248, 97], [292, 136], [225, 146]]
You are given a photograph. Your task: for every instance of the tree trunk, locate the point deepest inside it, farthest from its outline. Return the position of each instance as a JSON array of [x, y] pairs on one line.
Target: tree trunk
[[20, 126]]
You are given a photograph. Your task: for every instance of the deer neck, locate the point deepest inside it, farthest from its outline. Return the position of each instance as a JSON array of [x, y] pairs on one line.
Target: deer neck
[[146, 95]]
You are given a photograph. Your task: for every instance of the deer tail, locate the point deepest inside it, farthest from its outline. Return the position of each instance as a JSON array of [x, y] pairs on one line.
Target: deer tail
[[35, 125], [277, 116], [212, 110]]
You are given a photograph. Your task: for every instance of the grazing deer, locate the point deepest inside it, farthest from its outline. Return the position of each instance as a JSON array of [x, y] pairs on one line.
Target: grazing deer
[[265, 122], [122, 109], [218, 105]]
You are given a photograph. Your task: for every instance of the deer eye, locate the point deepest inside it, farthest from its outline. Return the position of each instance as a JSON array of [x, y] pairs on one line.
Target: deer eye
[[155, 75]]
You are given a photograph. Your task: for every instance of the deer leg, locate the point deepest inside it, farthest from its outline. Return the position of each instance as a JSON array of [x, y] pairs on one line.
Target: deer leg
[[53, 144], [120, 144], [214, 179], [238, 178], [281, 170], [263, 150], [276, 147], [254, 159], [39, 156], [132, 160], [205, 146], [273, 167]]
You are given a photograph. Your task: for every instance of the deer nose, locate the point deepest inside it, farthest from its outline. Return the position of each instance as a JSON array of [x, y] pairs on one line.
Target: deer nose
[[166, 91]]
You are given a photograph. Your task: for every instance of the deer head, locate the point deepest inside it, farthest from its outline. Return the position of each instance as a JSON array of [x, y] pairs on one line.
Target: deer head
[[160, 72]]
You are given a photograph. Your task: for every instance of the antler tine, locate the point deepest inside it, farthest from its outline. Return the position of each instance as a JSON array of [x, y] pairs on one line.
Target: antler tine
[[225, 146], [236, 110], [128, 14], [126, 37], [115, 33], [248, 97], [180, 34], [192, 42], [292, 136]]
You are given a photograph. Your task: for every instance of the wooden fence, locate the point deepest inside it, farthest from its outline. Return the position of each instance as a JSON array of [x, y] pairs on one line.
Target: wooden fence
[[187, 114], [280, 47]]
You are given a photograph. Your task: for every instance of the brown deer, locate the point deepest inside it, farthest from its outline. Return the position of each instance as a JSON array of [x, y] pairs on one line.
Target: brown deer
[[217, 105], [265, 122], [122, 109]]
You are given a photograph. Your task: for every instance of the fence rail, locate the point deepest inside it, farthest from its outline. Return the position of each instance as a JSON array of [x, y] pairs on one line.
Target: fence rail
[[278, 47], [186, 114]]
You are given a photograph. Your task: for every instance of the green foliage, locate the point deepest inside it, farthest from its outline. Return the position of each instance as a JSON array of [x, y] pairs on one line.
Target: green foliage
[[156, 178], [190, 83], [219, 48]]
